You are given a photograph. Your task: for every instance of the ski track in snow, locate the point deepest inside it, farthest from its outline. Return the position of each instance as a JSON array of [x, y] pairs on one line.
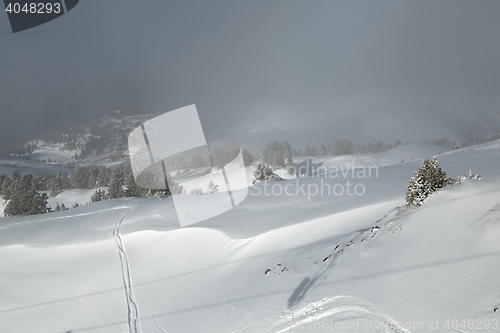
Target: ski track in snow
[[132, 309], [336, 309], [151, 312], [20, 224]]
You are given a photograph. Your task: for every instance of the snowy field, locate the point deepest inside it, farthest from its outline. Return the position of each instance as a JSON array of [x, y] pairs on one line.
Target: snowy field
[[54, 155], [70, 197], [275, 263]]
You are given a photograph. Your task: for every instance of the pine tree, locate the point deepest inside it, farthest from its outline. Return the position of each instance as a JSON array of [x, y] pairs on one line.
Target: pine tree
[[132, 189], [291, 167], [24, 199], [92, 178], [55, 186], [196, 162], [115, 189], [79, 178], [310, 151], [196, 191], [65, 182], [322, 150], [220, 158], [264, 172], [15, 175], [175, 188], [287, 149], [119, 175], [98, 195], [7, 182], [278, 158], [212, 188], [2, 178], [427, 180], [103, 176], [248, 159], [269, 151]]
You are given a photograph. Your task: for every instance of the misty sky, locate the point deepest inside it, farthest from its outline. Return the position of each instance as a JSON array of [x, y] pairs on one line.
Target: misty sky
[[239, 58]]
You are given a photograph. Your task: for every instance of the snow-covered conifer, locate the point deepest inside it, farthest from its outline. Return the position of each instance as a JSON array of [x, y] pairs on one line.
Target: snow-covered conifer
[[196, 191], [427, 180], [264, 172], [98, 196], [132, 189], [24, 199], [212, 188], [115, 189]]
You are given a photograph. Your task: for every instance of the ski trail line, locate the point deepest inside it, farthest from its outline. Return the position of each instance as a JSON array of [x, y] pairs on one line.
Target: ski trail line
[[151, 312], [132, 310], [25, 223]]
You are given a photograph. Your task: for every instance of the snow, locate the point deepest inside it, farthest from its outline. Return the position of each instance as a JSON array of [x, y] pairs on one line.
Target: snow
[[54, 155], [417, 151], [23, 167], [70, 197], [126, 265], [382, 114]]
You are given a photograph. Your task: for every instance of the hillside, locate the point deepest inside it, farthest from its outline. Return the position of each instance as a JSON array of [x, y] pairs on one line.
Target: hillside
[[126, 265]]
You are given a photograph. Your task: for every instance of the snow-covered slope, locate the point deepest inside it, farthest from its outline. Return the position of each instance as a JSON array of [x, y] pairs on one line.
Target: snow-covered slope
[[415, 151], [54, 155], [70, 197], [126, 265]]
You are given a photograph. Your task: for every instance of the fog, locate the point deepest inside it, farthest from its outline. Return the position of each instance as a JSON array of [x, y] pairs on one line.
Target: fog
[[242, 62]]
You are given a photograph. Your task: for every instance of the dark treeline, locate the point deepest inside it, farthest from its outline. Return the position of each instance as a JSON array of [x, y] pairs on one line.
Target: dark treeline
[[452, 144], [220, 158], [24, 194], [16, 149], [348, 147], [83, 177], [280, 154]]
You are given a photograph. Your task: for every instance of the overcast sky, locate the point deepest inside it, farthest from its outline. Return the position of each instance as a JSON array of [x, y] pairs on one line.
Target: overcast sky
[[234, 58]]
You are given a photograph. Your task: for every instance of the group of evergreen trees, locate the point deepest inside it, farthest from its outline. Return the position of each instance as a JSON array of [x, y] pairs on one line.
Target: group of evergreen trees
[[347, 147], [16, 149], [22, 196], [280, 154], [277, 154], [121, 183], [220, 158], [455, 145], [83, 177]]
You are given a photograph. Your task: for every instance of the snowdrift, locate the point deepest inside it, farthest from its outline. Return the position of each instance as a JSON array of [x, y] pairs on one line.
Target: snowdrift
[[275, 263]]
